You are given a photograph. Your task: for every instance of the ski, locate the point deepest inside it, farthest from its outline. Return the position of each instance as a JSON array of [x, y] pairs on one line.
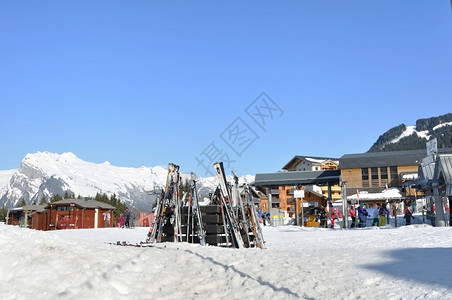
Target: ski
[[226, 200], [196, 210], [254, 219], [240, 210], [136, 245]]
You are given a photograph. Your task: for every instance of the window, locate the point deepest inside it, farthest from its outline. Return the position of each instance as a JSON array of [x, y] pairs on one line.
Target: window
[[63, 208], [394, 175], [365, 173], [374, 174], [384, 174], [365, 177]]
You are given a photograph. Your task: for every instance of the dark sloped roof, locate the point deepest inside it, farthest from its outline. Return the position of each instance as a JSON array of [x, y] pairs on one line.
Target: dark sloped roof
[[390, 158], [299, 177], [85, 203]]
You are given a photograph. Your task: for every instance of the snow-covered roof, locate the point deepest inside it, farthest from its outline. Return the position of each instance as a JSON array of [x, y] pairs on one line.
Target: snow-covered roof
[[392, 193], [412, 176]]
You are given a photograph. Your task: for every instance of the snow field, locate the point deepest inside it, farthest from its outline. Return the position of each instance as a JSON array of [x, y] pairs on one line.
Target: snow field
[[410, 262]]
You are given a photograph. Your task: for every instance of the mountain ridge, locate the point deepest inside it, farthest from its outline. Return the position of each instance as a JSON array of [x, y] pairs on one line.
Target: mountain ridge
[[403, 137], [47, 174]]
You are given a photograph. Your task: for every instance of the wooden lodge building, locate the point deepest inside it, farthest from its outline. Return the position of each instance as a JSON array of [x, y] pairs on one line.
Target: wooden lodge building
[[373, 172], [318, 176], [63, 214], [368, 173]]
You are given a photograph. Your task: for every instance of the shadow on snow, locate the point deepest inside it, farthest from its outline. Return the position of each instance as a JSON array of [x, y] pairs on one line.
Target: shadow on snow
[[244, 275], [423, 265]]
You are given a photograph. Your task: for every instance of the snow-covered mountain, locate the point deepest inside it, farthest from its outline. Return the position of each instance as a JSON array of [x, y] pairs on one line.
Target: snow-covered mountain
[[413, 137], [47, 174]]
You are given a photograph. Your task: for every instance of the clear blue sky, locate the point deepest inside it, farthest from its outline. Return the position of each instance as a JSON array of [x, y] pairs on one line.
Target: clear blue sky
[[145, 83]]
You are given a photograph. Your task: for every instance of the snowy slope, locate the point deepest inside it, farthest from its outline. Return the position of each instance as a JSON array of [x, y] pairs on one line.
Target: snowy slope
[[5, 176], [46, 174], [409, 131], [411, 262]]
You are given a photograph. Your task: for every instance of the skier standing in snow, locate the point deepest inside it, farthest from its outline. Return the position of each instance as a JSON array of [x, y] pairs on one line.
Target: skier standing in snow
[[333, 218], [322, 217], [382, 212], [132, 220], [408, 216], [127, 217], [376, 216], [362, 214], [121, 221], [352, 214], [266, 218]]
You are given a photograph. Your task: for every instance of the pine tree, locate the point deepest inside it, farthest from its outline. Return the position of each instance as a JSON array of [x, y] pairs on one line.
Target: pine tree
[[3, 212], [43, 201], [22, 203], [56, 198]]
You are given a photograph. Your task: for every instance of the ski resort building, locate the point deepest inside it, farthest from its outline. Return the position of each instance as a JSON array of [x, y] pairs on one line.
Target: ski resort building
[[63, 214], [317, 176], [79, 213], [375, 172], [280, 188], [30, 216]]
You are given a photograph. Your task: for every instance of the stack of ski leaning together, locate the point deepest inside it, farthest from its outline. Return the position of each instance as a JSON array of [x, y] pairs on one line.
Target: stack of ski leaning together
[[229, 221]]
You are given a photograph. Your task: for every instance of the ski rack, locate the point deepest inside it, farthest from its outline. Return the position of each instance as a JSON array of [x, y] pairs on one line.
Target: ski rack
[[231, 221]]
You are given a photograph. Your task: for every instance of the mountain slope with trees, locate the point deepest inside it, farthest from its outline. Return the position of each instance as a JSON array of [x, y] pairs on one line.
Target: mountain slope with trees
[[404, 137]]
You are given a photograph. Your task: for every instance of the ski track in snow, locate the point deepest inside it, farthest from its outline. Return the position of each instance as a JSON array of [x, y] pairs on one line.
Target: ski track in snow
[[411, 262]]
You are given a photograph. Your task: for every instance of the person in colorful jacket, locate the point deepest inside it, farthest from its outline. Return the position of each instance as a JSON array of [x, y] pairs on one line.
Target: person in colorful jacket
[[352, 214], [362, 215], [333, 218]]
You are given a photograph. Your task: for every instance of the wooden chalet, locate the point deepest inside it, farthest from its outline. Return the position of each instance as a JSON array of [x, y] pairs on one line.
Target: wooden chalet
[[79, 213], [63, 214], [30, 216], [279, 188]]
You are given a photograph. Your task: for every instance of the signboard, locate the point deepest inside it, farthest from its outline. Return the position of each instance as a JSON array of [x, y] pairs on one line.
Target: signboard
[[432, 146], [298, 193]]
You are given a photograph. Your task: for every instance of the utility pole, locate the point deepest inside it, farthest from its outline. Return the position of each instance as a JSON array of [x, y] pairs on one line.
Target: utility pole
[[270, 205], [343, 184], [296, 212], [395, 214], [302, 211]]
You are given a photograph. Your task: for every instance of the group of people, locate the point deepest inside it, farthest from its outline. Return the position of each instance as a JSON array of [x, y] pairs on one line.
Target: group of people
[[360, 215], [126, 219], [322, 216]]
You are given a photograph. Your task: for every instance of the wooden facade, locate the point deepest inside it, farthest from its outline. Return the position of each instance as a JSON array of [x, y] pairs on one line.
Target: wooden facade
[[64, 214], [78, 214], [376, 177]]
